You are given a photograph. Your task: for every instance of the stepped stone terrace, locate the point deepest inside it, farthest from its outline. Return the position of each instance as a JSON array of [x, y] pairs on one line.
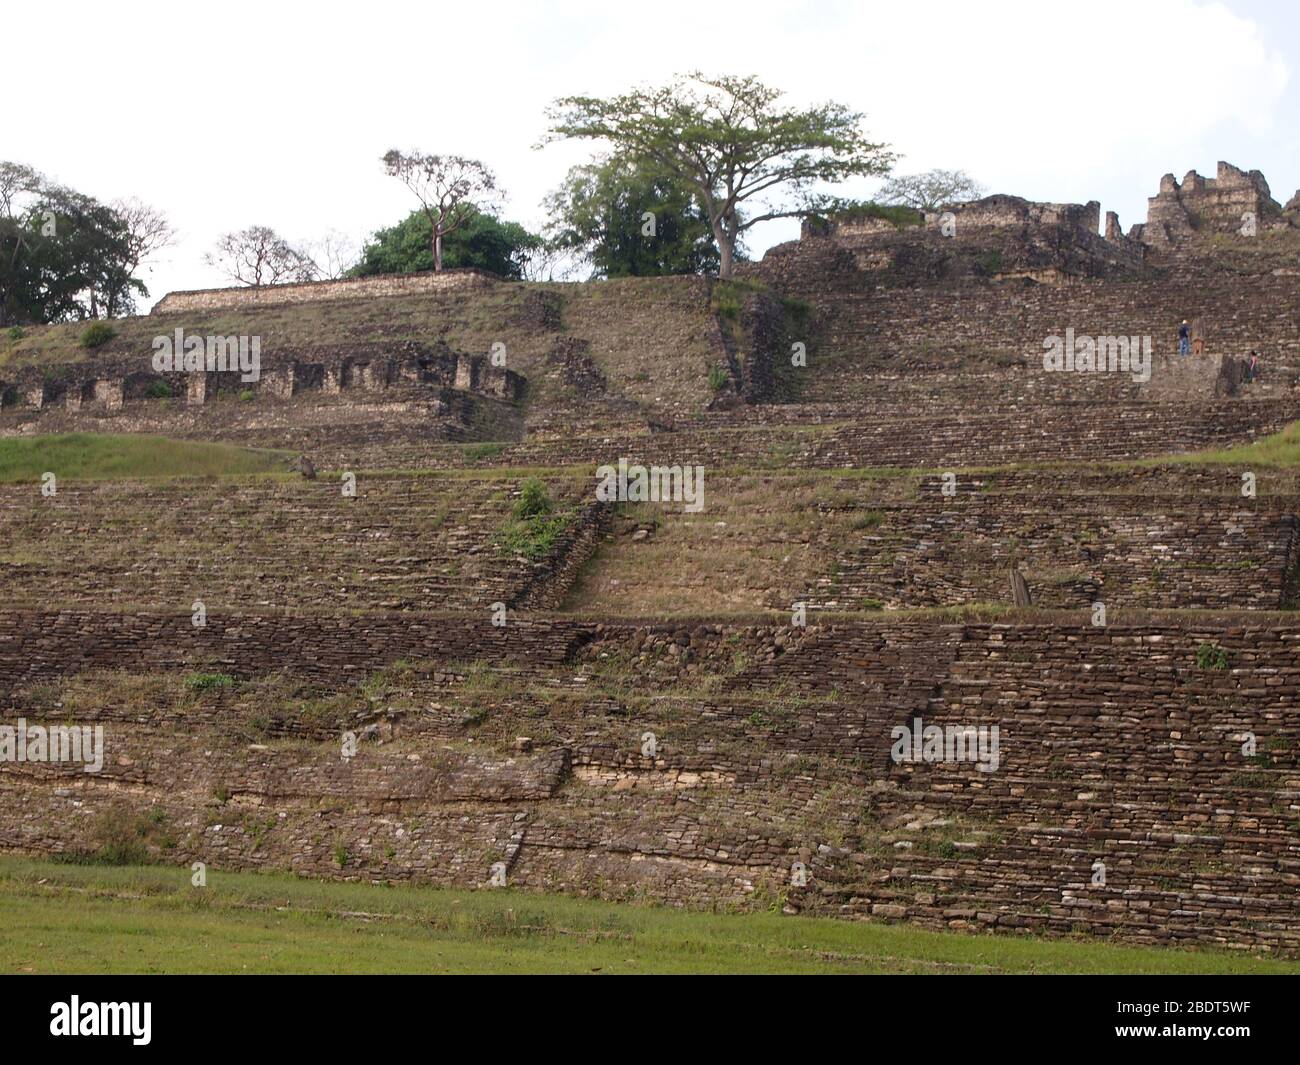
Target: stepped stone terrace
[[919, 526]]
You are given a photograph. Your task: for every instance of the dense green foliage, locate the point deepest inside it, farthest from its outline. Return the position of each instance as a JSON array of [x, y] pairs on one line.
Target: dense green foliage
[[483, 241], [899, 215], [63, 255], [626, 221], [745, 156]]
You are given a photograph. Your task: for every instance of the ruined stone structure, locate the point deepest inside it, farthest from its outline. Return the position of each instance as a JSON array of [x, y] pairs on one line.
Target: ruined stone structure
[[1229, 203], [284, 373], [1115, 746], [889, 486], [315, 397], [996, 238], [204, 299]]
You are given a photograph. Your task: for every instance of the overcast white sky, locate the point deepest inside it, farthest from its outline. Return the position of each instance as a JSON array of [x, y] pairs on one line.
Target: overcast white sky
[[230, 114]]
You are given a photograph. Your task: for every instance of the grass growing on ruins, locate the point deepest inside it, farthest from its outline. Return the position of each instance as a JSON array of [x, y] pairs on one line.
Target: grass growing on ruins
[[534, 526], [1279, 450], [90, 919], [627, 320], [92, 456]]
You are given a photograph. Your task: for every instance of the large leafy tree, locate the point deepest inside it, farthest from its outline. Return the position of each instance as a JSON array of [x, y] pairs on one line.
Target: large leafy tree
[[746, 158], [481, 240], [63, 255], [450, 189], [624, 220]]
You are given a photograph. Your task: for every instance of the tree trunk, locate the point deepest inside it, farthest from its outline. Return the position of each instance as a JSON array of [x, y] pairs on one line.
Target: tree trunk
[[437, 249], [726, 245]]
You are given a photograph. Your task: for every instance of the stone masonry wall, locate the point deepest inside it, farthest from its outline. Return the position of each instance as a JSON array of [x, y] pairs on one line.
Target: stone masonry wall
[[312, 291], [1219, 204], [1120, 745]]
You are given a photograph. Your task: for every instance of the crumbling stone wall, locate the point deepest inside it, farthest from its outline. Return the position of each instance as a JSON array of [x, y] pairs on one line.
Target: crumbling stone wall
[[1120, 745], [284, 371], [995, 238], [852, 436], [311, 291], [347, 402], [1221, 204], [1142, 551], [396, 546]]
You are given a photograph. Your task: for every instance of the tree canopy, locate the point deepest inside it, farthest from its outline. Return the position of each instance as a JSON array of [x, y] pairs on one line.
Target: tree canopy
[[931, 190], [481, 240], [623, 220], [746, 158], [66, 256], [259, 256], [450, 188]]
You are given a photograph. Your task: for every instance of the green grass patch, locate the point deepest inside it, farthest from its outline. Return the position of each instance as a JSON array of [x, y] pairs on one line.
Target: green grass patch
[[91, 456], [897, 215], [96, 335], [1278, 450], [200, 682], [474, 452], [88, 919], [535, 526]]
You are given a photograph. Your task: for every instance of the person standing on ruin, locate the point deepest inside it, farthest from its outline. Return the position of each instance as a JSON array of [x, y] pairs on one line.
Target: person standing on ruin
[[1184, 338]]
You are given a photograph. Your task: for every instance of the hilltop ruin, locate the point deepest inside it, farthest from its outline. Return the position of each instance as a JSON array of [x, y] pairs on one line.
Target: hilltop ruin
[[501, 687]]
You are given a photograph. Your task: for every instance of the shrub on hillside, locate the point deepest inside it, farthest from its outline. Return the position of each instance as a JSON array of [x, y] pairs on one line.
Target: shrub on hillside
[[533, 528], [120, 835], [97, 334], [533, 500]]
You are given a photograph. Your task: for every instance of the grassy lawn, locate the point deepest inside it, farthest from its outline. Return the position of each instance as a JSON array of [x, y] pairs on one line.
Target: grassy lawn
[[77, 456], [73, 919]]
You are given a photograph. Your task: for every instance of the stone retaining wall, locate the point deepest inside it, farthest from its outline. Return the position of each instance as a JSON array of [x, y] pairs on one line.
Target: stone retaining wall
[[1120, 748], [311, 291]]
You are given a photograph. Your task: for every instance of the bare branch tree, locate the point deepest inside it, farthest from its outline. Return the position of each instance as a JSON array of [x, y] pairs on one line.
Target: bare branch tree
[[17, 181], [931, 190], [550, 262], [333, 255], [259, 256], [148, 230], [449, 188]]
